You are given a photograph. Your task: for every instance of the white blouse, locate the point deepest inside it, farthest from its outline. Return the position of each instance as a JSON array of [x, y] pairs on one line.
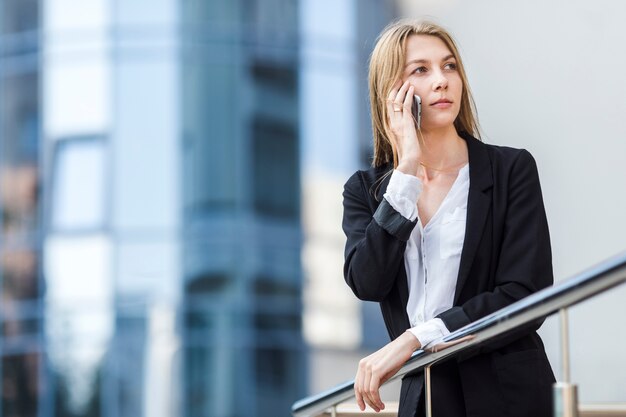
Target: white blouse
[[433, 253]]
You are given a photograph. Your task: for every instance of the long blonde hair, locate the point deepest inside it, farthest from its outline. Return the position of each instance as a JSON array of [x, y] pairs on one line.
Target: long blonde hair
[[387, 63]]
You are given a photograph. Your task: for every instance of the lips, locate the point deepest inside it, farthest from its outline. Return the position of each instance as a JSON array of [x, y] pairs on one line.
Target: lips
[[442, 101]]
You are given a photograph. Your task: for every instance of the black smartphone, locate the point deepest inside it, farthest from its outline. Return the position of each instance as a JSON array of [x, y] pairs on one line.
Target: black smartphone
[[417, 111]]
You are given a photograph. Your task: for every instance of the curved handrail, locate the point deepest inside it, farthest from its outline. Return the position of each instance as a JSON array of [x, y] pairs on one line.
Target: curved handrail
[[593, 281]]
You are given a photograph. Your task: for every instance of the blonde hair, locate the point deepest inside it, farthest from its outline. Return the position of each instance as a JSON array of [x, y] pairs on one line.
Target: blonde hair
[[387, 63]]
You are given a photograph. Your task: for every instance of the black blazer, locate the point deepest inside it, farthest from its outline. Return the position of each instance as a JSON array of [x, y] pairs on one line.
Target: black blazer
[[506, 256]]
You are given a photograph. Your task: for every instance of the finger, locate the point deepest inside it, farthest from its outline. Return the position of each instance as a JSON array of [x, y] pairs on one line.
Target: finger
[[358, 388], [359, 400], [392, 108], [394, 90], [394, 117], [374, 391], [366, 390], [392, 96], [399, 99], [408, 99]]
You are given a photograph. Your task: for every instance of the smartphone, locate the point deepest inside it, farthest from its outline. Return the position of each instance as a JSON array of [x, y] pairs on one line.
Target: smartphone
[[417, 111]]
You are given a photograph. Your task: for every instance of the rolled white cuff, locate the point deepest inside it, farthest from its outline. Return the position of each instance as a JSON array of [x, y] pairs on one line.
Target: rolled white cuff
[[402, 193], [429, 332]]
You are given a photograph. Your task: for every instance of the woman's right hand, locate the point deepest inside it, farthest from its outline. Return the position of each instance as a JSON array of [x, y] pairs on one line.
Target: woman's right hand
[[381, 365], [402, 125]]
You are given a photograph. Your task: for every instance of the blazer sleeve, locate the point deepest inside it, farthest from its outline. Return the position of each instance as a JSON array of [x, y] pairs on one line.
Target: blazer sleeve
[[375, 244], [524, 264]]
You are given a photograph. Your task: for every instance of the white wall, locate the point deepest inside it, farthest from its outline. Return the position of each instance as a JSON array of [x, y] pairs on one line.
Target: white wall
[[548, 77]]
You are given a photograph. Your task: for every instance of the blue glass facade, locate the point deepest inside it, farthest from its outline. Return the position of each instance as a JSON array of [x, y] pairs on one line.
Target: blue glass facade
[[150, 192], [241, 214], [20, 202]]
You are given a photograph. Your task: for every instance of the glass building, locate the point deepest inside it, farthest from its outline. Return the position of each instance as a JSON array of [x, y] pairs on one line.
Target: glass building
[[150, 192], [21, 341]]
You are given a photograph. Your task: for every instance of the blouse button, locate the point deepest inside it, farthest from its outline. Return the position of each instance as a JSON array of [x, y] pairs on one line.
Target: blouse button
[[420, 318]]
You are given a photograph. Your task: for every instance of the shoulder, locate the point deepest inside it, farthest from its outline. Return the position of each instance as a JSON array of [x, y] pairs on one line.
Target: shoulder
[[503, 158], [369, 181], [514, 170], [514, 164], [369, 175], [507, 156], [502, 167]]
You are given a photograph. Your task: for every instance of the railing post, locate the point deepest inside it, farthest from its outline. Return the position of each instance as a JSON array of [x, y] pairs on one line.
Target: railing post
[[565, 393], [429, 405], [565, 345]]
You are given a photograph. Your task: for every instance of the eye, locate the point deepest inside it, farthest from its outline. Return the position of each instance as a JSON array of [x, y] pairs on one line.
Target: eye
[[420, 70], [450, 65]]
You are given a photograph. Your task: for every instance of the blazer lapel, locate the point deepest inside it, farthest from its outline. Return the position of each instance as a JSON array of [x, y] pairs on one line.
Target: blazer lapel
[[478, 206]]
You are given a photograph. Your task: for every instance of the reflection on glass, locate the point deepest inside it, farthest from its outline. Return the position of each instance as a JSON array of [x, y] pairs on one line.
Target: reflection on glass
[[20, 386], [79, 314]]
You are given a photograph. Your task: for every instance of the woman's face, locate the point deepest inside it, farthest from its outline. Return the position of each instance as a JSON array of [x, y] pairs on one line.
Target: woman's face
[[432, 70]]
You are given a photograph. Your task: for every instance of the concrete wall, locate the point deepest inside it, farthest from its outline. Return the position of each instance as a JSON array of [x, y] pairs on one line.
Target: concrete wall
[[548, 77]]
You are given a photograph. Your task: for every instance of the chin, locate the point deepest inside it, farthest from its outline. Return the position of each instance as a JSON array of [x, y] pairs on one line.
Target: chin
[[438, 125]]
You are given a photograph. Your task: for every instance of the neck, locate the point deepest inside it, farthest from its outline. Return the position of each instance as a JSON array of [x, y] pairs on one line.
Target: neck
[[443, 148]]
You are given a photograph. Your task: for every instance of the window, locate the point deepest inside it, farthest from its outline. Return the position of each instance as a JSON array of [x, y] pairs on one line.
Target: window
[[210, 118], [275, 169], [207, 346], [78, 196], [76, 97]]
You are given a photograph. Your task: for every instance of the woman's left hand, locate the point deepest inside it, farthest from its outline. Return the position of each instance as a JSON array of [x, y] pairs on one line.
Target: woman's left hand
[[381, 365]]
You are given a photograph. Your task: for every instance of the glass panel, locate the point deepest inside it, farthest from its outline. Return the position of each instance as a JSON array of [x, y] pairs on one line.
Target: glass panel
[[209, 110], [19, 385], [19, 16], [65, 402], [19, 120], [198, 370], [71, 15], [271, 21], [132, 14], [130, 357], [146, 144], [76, 97], [20, 311], [275, 170], [272, 369], [208, 346], [216, 14], [78, 197], [213, 105], [79, 316]]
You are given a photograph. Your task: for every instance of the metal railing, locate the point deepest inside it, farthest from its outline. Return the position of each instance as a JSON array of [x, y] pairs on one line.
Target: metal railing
[[537, 306]]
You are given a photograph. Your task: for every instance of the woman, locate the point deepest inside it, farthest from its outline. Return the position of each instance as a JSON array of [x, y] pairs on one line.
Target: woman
[[442, 231]]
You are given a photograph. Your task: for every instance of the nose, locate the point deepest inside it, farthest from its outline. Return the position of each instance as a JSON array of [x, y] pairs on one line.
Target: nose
[[441, 82]]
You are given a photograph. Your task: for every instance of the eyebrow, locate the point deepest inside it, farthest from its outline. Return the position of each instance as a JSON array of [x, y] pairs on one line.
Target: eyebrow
[[425, 61]]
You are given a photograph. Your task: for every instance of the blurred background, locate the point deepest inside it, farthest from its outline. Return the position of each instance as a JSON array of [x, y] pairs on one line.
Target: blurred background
[[170, 187]]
